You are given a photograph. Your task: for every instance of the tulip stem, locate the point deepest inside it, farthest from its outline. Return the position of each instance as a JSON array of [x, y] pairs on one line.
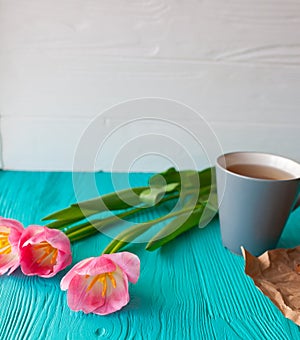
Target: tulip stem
[[191, 188], [134, 231], [93, 227]]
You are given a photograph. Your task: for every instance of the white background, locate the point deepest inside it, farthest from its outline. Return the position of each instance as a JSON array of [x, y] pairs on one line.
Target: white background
[[64, 62]]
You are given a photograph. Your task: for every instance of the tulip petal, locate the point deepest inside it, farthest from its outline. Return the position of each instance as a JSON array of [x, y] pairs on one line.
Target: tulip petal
[[80, 298], [98, 265], [10, 233], [99, 285], [117, 297], [128, 262], [56, 239], [8, 263], [91, 266], [11, 223], [43, 251], [77, 269]]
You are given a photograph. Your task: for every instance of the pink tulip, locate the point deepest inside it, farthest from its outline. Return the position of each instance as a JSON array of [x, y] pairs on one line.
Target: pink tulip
[[10, 233], [43, 251], [100, 284]]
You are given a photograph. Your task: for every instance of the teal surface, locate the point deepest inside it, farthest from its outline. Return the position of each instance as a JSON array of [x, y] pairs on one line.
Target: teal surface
[[193, 288]]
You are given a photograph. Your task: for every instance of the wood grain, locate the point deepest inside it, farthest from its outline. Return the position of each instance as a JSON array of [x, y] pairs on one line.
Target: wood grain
[[64, 62], [139, 146], [192, 288]]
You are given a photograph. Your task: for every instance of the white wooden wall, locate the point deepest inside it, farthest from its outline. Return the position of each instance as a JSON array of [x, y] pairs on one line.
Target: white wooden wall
[[62, 62]]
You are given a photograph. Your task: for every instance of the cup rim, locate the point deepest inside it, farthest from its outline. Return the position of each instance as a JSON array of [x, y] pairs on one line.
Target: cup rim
[[290, 164]]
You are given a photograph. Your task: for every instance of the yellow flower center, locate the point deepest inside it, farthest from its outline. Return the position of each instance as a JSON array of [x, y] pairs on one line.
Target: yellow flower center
[[46, 253], [5, 246], [102, 278]]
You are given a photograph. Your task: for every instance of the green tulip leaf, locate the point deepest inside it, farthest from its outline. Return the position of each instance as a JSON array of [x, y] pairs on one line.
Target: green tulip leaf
[[175, 228], [114, 201], [153, 195], [196, 205]]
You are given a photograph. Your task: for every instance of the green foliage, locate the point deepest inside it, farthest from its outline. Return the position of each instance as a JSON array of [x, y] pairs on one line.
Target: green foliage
[[192, 193]]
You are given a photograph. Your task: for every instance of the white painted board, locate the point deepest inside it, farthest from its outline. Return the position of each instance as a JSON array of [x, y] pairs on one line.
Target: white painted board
[[64, 62]]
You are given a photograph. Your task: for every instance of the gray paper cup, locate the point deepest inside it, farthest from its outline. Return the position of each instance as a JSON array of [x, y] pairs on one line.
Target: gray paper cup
[[256, 194]]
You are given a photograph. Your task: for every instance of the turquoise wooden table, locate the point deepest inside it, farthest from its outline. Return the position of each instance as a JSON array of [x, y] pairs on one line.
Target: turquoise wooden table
[[192, 288]]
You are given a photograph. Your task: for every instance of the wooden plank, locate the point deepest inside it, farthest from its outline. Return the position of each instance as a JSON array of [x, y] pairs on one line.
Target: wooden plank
[[36, 143], [84, 86], [75, 59], [64, 62], [193, 288], [252, 30]]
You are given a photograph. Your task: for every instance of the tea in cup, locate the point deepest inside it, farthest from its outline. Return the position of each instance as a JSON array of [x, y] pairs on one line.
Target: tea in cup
[[256, 194]]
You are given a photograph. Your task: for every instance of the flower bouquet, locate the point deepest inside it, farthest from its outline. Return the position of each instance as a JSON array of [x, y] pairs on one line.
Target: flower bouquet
[[100, 284]]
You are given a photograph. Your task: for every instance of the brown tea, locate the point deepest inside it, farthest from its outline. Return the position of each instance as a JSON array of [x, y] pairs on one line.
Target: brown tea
[[260, 171]]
